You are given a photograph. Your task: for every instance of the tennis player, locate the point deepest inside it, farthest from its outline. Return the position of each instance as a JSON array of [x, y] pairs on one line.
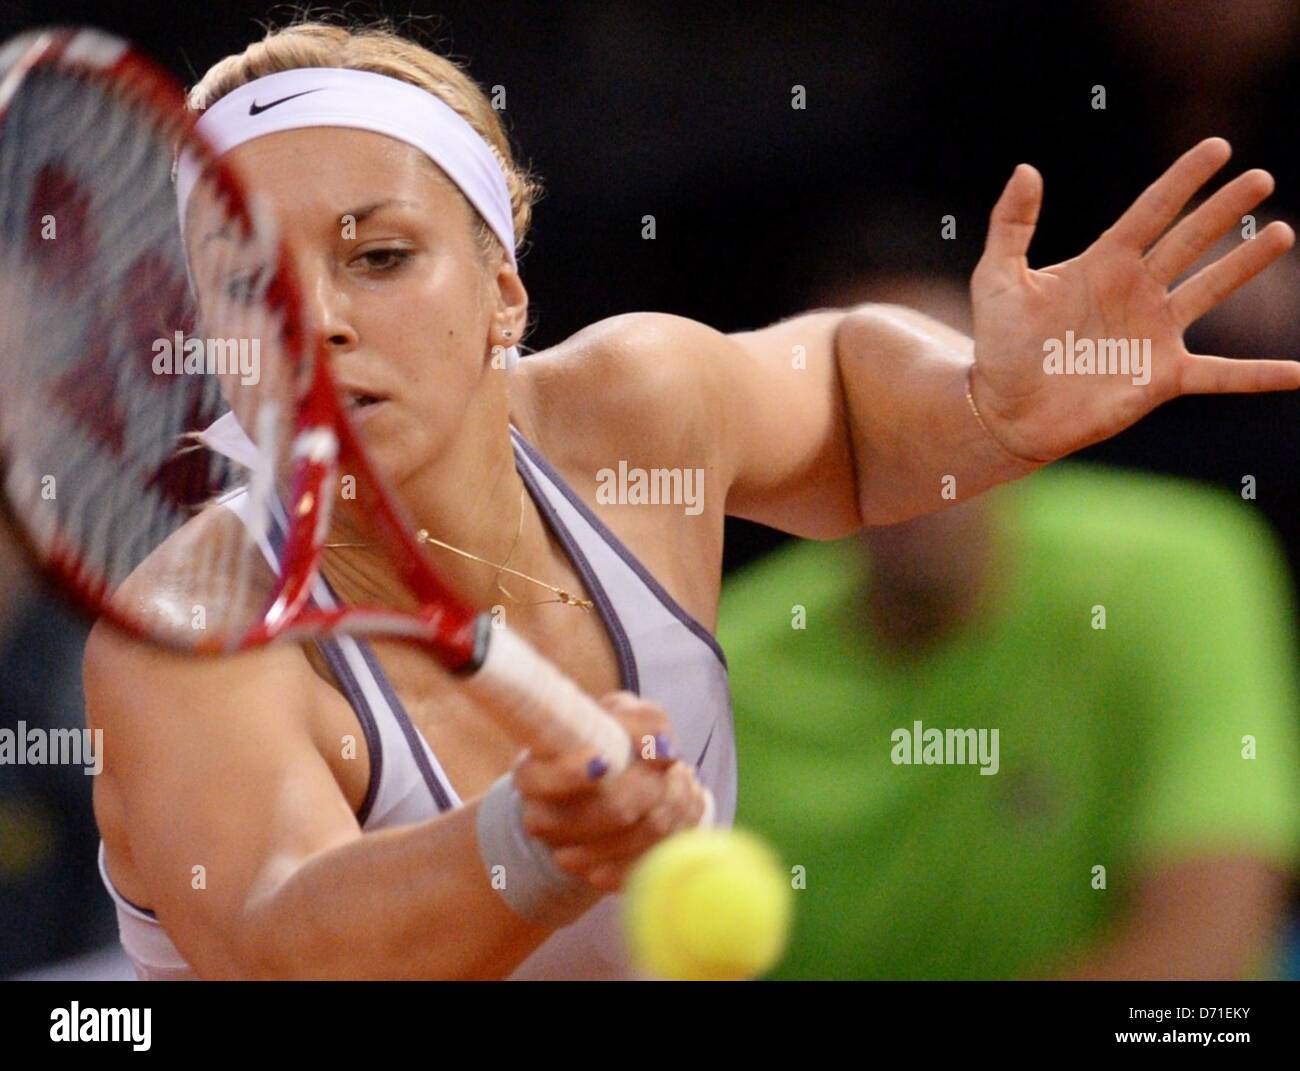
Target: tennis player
[[341, 809]]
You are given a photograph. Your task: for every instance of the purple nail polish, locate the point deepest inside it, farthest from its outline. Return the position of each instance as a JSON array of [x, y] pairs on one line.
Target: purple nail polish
[[664, 748], [597, 768]]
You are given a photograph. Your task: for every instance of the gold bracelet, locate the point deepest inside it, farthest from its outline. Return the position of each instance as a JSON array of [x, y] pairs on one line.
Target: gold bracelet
[[970, 400]]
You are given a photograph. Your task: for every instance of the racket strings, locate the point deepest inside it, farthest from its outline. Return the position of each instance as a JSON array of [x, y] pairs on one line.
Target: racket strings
[[96, 432]]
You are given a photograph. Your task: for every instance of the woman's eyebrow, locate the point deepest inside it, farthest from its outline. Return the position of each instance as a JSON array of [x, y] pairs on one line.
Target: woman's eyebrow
[[360, 214]]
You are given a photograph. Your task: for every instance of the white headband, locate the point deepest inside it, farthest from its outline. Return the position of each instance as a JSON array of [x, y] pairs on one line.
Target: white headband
[[360, 100]]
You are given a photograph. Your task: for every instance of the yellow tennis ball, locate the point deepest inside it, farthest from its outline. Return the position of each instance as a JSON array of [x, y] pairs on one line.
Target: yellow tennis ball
[[708, 905]]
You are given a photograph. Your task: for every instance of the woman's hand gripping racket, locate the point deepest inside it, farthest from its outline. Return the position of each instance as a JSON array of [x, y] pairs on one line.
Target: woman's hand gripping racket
[[110, 364]]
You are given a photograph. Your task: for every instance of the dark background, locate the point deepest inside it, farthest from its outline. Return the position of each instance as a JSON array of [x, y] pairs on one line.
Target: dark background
[[914, 110]]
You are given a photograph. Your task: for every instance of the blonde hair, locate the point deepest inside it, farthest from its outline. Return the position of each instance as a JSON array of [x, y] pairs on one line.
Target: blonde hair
[[377, 47]]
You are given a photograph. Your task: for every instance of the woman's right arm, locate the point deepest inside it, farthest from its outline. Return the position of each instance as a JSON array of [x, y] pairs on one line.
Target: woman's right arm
[[255, 864], [252, 858]]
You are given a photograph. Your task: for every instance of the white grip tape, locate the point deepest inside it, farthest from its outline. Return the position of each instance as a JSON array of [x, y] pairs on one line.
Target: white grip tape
[[541, 707]]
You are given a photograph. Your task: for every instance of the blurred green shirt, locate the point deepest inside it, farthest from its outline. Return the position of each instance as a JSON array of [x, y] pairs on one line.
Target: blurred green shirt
[[1119, 747]]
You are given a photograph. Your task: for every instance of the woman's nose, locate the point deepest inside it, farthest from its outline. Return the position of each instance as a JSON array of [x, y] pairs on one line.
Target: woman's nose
[[328, 311]]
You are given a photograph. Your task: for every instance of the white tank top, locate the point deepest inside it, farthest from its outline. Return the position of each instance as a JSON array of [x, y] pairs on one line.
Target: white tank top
[[664, 655]]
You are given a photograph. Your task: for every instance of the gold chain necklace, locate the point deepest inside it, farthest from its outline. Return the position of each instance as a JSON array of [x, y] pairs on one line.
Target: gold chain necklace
[[568, 598]]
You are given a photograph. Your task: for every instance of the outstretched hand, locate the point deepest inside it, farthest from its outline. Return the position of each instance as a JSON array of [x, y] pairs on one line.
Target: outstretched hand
[[1040, 395]]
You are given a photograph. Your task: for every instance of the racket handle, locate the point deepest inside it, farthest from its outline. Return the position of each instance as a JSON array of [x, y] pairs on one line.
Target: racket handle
[[544, 709], [539, 705]]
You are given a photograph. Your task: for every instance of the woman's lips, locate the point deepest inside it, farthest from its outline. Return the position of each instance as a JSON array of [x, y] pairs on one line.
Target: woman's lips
[[364, 407]]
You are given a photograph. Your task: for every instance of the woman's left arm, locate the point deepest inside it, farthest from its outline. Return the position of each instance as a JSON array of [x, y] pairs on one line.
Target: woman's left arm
[[873, 415]]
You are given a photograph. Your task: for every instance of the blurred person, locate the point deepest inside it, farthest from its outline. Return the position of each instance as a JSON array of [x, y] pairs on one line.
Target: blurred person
[[1161, 746]]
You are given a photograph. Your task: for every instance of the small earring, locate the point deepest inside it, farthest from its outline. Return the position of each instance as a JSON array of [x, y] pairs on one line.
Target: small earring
[[508, 334]]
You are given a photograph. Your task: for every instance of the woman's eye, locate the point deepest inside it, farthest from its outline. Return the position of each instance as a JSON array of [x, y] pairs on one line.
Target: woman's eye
[[384, 259], [244, 288]]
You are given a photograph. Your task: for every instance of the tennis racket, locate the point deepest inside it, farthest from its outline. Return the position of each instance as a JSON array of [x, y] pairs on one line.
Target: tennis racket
[[116, 346]]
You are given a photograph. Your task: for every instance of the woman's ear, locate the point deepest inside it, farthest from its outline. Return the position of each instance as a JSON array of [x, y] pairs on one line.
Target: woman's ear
[[511, 303]]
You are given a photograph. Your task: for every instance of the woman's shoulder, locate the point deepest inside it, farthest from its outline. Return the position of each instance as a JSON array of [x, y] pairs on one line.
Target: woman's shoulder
[[184, 595], [637, 383], [197, 583]]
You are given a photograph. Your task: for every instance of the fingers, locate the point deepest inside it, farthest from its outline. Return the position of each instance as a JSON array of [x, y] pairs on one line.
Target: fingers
[[607, 809], [597, 827], [1199, 294], [647, 726], [1012, 222], [677, 803], [1162, 201], [606, 863], [568, 799], [564, 805], [564, 778], [1182, 247], [579, 773], [1222, 375]]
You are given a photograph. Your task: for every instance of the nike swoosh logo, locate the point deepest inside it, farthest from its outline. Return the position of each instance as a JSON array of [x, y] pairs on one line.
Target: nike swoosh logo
[[258, 109]]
